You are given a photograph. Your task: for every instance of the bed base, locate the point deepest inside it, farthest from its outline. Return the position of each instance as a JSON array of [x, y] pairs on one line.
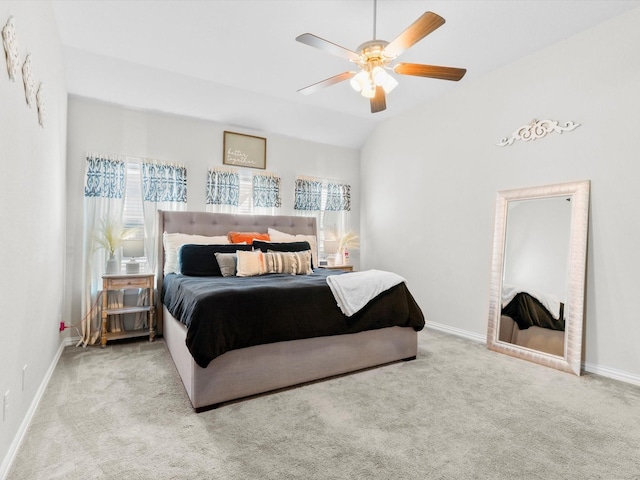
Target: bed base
[[264, 368]]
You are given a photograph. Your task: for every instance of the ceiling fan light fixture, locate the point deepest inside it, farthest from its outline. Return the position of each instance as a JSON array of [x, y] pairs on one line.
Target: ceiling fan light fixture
[[389, 84], [369, 90], [379, 76], [360, 81]]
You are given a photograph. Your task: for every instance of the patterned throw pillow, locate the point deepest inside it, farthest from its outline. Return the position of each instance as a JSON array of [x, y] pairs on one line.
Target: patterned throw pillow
[[294, 263]]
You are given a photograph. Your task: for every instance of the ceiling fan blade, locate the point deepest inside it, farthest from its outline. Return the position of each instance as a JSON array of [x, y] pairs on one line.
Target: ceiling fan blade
[[431, 71], [317, 42], [378, 102], [415, 32], [326, 83]]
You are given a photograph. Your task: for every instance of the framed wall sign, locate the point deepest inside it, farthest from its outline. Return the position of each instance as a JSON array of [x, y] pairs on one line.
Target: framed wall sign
[[244, 150]]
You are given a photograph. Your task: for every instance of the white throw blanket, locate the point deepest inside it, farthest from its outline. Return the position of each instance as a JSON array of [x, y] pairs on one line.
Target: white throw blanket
[[354, 290]]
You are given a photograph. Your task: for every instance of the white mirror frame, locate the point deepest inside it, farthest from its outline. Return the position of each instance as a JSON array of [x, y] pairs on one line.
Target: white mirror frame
[[579, 192]]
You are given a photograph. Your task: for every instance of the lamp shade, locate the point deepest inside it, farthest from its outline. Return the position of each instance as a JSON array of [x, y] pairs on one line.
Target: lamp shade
[[330, 246], [133, 248]]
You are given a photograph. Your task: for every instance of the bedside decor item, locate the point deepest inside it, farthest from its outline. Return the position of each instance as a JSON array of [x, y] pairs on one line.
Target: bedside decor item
[[27, 78], [348, 241], [244, 150], [330, 248], [537, 129], [111, 236], [11, 48], [132, 249]]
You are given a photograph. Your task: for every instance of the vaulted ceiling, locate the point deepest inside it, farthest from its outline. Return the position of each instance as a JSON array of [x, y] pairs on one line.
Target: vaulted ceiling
[[237, 62]]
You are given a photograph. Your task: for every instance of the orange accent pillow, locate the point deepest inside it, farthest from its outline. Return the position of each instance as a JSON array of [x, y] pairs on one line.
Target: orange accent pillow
[[247, 237]]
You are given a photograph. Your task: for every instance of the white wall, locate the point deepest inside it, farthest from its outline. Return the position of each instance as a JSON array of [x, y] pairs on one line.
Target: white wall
[[32, 218], [110, 129], [432, 221]]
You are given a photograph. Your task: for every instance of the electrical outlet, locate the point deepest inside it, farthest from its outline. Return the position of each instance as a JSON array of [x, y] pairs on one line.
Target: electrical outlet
[[5, 405], [24, 376]]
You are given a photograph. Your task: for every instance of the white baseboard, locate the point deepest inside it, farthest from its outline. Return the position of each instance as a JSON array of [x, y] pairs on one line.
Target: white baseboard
[[17, 441], [612, 373], [475, 337], [587, 367]]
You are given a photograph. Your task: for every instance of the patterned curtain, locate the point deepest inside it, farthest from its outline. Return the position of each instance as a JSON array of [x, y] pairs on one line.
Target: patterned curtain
[[223, 189], [308, 194], [164, 182], [103, 198], [338, 197], [164, 187], [266, 191], [105, 178]]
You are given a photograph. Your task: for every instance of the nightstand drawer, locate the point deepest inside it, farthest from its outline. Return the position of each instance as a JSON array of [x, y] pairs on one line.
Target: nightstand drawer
[[124, 282]]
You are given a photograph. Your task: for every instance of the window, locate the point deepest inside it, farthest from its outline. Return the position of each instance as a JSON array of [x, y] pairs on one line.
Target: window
[[329, 201], [133, 213]]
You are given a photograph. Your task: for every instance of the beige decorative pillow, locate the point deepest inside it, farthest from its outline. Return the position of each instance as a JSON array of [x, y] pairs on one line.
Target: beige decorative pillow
[[173, 241], [294, 263], [282, 237], [250, 263]]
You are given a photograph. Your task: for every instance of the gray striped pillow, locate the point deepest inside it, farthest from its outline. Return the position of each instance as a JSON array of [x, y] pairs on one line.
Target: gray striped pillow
[[295, 263]]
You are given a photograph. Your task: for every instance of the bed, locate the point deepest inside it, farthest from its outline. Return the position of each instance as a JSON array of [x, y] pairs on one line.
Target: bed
[[238, 372]]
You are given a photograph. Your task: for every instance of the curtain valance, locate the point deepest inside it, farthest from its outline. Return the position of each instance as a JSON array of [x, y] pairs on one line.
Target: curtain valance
[[105, 177], [223, 187], [266, 191], [308, 194], [338, 197], [163, 182]]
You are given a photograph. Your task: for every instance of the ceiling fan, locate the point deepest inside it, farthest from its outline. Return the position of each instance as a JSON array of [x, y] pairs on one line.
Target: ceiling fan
[[375, 59]]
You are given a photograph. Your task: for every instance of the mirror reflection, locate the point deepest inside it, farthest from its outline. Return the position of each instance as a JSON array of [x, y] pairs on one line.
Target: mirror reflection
[[534, 280], [538, 274]]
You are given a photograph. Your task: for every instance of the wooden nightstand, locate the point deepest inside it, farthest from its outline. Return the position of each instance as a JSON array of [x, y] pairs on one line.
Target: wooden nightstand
[[127, 282], [346, 268]]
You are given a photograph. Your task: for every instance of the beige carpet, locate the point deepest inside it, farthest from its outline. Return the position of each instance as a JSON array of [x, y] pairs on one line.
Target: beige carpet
[[457, 412]]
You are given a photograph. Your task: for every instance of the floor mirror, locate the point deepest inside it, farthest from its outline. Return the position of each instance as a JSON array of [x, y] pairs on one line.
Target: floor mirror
[[538, 273]]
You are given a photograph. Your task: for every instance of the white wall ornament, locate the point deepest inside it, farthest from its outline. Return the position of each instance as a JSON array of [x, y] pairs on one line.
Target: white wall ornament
[[537, 129], [40, 104], [27, 78], [11, 49]]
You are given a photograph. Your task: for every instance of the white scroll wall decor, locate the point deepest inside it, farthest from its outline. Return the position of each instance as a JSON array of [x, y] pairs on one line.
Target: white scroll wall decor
[[11, 49], [40, 104], [537, 129], [27, 78]]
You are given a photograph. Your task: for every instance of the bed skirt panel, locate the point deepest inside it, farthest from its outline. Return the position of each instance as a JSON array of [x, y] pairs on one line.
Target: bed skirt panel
[[262, 368]]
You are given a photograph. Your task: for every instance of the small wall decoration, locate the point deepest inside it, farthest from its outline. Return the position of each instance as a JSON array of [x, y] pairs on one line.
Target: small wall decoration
[[537, 129], [27, 78], [11, 49], [244, 150], [40, 104]]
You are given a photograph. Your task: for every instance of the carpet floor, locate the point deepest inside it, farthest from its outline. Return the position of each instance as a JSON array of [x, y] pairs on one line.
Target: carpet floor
[[459, 411]]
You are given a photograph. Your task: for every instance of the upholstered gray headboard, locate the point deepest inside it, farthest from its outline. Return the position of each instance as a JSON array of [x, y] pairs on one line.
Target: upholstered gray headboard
[[210, 224]]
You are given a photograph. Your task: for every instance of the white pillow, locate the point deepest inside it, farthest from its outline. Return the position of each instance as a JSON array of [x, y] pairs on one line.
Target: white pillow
[[173, 241], [281, 237], [250, 263]]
